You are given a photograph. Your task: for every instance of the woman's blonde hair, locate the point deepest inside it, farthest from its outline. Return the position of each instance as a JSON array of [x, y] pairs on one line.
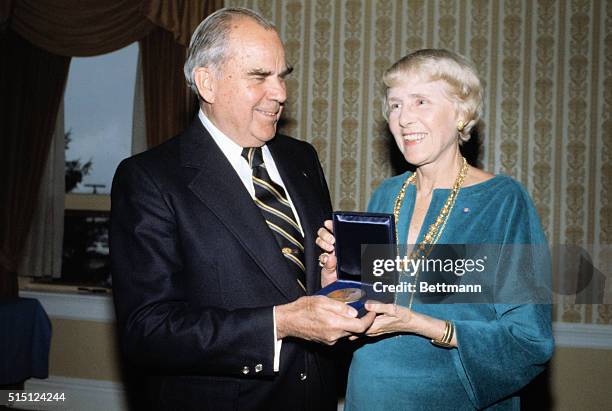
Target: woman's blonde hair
[[464, 86]]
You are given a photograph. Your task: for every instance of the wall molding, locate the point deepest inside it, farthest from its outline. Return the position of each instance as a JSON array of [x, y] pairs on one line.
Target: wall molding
[[100, 308], [70, 306], [573, 335], [80, 394]]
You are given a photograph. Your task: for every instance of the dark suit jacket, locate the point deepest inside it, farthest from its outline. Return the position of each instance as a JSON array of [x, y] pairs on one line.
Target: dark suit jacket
[[196, 272]]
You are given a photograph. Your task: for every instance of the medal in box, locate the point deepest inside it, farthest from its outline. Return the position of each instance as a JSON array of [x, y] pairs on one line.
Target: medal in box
[[357, 235]]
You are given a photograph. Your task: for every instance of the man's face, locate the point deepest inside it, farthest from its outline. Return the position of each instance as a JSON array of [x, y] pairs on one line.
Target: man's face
[[248, 92]]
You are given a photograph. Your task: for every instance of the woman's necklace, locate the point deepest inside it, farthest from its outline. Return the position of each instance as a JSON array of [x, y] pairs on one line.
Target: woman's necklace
[[437, 228]]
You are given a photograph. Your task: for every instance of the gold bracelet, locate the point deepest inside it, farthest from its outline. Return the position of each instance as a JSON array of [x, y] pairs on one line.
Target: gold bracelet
[[449, 332]]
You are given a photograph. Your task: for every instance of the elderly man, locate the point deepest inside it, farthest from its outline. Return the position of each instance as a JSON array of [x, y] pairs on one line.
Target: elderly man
[[213, 241]]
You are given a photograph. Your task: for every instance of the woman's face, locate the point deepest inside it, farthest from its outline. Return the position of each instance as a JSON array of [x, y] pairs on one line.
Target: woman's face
[[423, 120]]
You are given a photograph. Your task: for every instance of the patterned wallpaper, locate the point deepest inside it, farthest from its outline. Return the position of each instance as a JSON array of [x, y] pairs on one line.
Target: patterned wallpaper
[[547, 68]]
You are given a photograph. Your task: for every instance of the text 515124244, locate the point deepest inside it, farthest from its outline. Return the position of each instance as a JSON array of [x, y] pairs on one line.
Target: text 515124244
[[15, 397]]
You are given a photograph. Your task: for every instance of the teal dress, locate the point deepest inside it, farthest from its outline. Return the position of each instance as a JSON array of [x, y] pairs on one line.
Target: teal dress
[[500, 347]]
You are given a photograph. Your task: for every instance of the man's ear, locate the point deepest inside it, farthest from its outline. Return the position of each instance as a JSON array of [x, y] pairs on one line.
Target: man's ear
[[205, 82]]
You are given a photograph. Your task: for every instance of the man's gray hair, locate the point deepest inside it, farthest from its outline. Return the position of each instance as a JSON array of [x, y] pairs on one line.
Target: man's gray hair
[[208, 45]]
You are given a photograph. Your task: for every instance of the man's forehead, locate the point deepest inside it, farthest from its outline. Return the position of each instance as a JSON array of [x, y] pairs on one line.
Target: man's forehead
[[243, 29], [257, 55], [256, 62]]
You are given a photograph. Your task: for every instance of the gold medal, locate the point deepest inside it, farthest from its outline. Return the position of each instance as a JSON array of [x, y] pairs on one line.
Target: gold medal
[[347, 295]]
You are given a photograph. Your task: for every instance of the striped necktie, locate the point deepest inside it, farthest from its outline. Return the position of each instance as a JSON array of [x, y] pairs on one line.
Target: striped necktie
[[276, 210]]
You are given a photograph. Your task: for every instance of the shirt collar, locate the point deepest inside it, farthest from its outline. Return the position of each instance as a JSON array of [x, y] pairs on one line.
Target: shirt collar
[[229, 147], [226, 144]]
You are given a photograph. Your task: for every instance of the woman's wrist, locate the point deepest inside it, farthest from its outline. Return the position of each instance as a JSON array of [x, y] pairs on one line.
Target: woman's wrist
[[446, 339], [432, 328]]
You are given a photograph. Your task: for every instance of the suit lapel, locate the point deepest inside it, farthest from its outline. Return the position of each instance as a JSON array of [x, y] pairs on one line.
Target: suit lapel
[[220, 189]]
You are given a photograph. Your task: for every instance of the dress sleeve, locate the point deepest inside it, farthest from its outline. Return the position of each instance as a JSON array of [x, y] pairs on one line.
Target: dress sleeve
[[496, 358]]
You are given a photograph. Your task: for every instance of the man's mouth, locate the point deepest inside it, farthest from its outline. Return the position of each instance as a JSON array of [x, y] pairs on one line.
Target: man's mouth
[[268, 113]]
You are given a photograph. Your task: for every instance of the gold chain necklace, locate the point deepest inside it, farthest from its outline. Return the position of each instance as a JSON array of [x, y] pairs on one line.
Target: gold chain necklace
[[435, 230]]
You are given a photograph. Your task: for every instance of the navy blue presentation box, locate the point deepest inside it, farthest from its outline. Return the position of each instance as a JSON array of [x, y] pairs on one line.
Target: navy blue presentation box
[[353, 230]]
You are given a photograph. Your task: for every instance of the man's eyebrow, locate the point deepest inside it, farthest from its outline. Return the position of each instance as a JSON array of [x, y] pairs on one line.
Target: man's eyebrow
[[286, 72], [259, 72]]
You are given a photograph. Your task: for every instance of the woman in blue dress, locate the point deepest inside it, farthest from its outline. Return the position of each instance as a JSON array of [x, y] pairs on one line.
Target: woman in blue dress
[[447, 356]]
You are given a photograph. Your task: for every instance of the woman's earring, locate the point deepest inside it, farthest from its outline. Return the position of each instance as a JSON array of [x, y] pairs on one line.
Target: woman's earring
[[460, 126]]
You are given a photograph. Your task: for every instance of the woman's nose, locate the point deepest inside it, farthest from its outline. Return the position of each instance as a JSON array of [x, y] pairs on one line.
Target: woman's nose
[[405, 118]]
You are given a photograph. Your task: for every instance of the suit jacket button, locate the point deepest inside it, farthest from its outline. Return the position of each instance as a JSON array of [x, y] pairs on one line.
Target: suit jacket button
[[303, 376], [246, 370], [258, 368]]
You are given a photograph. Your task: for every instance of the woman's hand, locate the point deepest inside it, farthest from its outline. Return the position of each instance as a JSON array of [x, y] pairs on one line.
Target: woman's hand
[[327, 260], [391, 318]]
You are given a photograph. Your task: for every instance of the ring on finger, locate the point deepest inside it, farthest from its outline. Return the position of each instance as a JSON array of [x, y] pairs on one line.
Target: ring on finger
[[321, 263]]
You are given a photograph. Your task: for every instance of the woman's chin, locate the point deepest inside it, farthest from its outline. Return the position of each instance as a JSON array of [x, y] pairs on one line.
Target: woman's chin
[[413, 158]]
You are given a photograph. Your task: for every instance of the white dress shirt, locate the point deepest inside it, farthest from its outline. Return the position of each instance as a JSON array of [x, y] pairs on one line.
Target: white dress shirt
[[233, 153]]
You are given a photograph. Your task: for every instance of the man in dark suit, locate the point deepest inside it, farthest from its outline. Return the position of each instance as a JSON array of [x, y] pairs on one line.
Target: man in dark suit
[[209, 305]]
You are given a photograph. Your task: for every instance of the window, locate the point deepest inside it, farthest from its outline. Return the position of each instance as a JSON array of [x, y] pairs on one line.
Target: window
[[98, 111]]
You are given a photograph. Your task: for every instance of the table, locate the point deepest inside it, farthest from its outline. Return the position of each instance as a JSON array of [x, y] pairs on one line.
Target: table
[[25, 340]]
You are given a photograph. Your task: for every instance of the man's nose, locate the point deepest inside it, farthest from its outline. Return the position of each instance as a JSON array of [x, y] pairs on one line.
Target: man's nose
[[278, 90]]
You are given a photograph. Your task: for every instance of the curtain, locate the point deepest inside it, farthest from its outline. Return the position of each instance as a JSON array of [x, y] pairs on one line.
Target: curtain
[[37, 36], [42, 255], [139, 127], [80, 27], [34, 79], [6, 7], [93, 27], [179, 17], [169, 104]]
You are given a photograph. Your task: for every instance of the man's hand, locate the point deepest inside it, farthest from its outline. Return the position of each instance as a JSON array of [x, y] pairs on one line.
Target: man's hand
[[320, 319]]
